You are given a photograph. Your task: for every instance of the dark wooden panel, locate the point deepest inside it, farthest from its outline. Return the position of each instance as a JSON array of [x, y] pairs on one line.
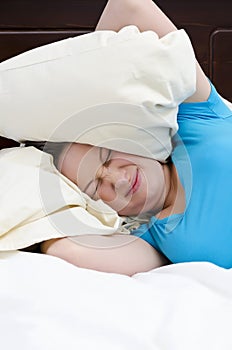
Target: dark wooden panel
[[31, 14], [200, 19], [5, 143], [15, 42], [221, 61]]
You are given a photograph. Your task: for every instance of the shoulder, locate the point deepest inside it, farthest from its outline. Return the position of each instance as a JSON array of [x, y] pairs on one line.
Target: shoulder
[[214, 107]]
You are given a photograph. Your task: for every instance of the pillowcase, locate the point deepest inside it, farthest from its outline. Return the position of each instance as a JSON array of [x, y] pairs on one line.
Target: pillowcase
[[38, 203], [117, 90]]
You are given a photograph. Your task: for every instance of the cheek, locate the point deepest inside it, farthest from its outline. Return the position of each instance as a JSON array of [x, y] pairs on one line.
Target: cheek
[[106, 193], [154, 175], [114, 200]]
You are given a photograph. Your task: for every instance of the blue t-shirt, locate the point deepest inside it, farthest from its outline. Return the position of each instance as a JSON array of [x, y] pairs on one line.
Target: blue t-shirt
[[203, 159]]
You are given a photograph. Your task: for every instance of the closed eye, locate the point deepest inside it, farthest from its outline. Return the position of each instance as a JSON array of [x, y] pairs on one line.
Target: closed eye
[[96, 188], [91, 188], [93, 185]]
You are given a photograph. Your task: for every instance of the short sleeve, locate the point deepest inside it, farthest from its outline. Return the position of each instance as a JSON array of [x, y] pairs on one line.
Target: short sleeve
[[214, 107], [144, 233]]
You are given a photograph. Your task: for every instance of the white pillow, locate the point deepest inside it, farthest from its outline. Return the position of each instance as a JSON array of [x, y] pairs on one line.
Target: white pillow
[[38, 203], [120, 89]]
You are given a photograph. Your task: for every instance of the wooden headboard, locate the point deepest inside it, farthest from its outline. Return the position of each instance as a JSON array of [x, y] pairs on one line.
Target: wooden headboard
[[25, 24]]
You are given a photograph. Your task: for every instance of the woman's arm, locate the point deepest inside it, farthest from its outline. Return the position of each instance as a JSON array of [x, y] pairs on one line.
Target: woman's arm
[[146, 15], [121, 254]]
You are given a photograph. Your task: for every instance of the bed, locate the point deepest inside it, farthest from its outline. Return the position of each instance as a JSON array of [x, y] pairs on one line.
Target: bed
[[47, 303]]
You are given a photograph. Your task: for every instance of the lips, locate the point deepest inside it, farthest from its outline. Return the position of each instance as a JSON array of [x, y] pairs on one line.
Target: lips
[[135, 183]]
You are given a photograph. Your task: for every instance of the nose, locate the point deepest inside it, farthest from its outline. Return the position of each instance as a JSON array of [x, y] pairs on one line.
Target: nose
[[117, 177]]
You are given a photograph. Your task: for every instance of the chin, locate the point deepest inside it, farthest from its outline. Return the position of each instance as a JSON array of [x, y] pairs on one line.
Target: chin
[[127, 211]]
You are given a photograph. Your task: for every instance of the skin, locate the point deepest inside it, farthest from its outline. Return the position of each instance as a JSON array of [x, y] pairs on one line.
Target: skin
[[126, 254], [129, 184]]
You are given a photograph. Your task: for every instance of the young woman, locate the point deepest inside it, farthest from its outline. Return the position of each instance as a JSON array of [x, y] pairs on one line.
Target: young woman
[[189, 197]]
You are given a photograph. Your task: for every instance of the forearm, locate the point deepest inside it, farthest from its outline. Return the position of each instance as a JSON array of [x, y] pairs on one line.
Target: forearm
[[117, 254]]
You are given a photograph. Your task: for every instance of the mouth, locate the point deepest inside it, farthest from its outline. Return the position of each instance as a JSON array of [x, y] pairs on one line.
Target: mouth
[[135, 184]]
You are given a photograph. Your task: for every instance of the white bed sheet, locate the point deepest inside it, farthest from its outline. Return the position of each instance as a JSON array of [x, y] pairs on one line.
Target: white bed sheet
[[46, 304]]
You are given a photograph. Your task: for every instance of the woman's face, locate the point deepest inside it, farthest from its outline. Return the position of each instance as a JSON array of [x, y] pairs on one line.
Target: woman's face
[[129, 184]]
